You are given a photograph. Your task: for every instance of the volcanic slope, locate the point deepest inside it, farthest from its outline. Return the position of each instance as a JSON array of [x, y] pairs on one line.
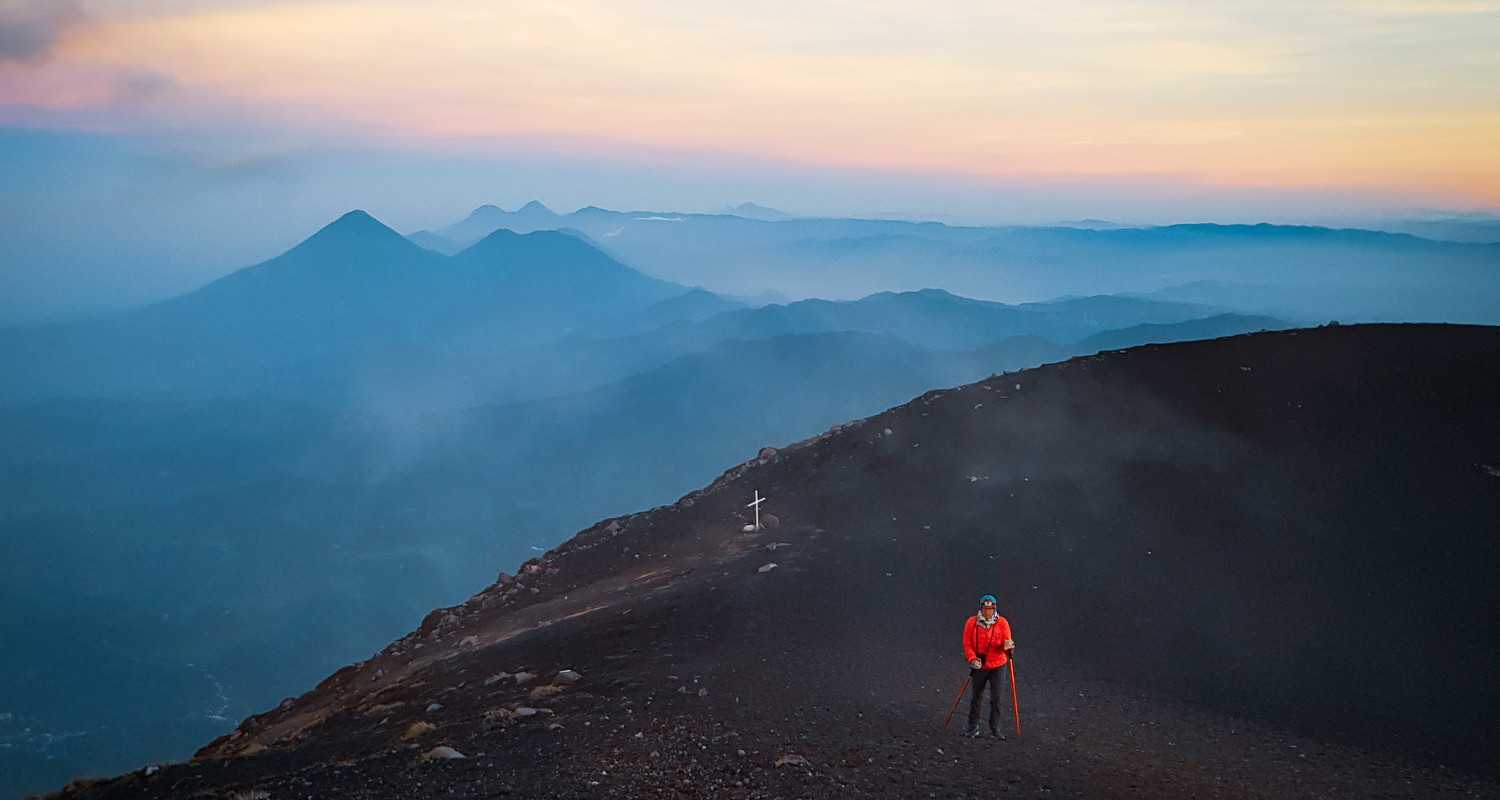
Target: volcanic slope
[[1259, 566]]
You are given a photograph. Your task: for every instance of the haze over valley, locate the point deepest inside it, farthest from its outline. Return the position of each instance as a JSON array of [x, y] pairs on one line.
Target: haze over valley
[[213, 501], [355, 354]]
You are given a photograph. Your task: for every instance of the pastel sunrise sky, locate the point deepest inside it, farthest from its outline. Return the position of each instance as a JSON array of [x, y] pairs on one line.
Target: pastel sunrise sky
[[147, 146]]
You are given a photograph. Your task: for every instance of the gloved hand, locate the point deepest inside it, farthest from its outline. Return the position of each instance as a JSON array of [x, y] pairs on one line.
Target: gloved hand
[[976, 663], [1010, 644]]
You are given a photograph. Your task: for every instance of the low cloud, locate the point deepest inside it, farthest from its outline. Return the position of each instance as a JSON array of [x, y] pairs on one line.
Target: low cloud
[[30, 28], [139, 87]]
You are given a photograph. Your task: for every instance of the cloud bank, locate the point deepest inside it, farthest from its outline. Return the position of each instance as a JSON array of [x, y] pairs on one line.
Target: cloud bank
[[1368, 94], [30, 28]]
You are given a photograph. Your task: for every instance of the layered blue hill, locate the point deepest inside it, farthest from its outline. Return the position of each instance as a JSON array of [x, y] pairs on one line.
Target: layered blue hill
[[1312, 274], [351, 297], [402, 421]]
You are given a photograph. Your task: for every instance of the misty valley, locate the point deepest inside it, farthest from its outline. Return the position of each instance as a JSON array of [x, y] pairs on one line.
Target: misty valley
[[211, 503]]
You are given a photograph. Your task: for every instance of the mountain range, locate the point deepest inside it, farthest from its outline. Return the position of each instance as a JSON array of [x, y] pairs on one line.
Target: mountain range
[[353, 297], [209, 503], [1305, 273]]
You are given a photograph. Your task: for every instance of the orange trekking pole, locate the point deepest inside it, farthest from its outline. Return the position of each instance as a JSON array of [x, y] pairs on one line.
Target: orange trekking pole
[[1014, 703], [955, 702]]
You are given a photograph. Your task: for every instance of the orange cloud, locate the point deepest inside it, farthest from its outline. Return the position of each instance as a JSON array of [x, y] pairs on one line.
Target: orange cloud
[[1394, 94]]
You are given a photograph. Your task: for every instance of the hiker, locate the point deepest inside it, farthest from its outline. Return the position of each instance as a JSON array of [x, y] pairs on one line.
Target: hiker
[[987, 646]]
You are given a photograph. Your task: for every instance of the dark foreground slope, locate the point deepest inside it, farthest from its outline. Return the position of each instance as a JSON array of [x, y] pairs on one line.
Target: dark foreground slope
[[1254, 567]]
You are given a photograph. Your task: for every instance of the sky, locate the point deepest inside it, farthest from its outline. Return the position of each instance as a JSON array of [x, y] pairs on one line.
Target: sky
[[149, 146]]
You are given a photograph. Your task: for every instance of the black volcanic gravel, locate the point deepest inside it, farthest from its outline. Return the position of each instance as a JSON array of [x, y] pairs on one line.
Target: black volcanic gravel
[[1254, 567]]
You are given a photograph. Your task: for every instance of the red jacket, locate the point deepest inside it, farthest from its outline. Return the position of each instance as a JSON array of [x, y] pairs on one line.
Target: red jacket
[[987, 643]]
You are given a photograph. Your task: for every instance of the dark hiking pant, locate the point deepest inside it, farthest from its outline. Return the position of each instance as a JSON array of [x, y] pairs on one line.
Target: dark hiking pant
[[994, 678]]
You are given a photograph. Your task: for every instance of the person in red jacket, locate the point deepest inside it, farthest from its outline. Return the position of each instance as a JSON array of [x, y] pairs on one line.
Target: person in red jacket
[[987, 646]]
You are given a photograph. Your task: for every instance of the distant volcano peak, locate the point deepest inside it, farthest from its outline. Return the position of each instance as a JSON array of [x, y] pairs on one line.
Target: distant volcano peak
[[488, 211], [500, 237], [357, 225], [352, 239], [756, 212], [546, 245], [356, 219]]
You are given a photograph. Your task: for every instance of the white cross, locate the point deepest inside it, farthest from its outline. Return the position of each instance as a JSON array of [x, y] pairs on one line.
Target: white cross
[[756, 505]]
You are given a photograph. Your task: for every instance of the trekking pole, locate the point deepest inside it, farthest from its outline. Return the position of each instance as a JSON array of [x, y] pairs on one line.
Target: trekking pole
[[1014, 703], [955, 702]]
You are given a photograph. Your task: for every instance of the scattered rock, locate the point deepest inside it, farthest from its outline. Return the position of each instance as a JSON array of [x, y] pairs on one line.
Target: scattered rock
[[546, 690], [417, 729], [496, 678], [791, 758], [568, 676], [442, 751], [434, 707], [524, 677], [469, 641], [767, 567], [702, 692]]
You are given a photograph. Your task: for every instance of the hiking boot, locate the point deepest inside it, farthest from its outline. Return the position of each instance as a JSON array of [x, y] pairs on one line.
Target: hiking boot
[[995, 732], [973, 732]]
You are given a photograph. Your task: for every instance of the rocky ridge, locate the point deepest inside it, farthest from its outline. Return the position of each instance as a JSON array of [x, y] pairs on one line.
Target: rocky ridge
[[674, 653]]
